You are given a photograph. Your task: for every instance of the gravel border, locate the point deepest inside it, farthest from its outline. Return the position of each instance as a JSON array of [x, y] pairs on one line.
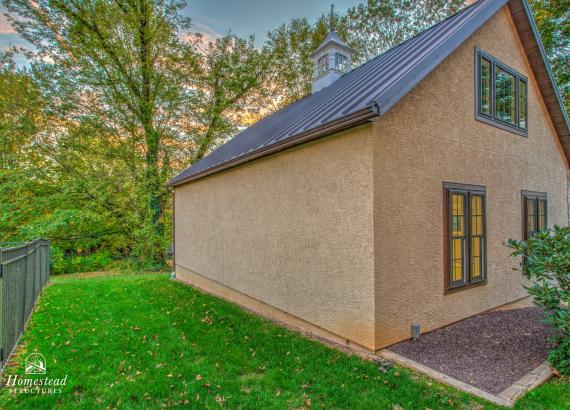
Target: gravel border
[[490, 351]]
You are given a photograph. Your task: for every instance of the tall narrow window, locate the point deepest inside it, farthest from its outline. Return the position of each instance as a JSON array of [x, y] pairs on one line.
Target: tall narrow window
[[485, 84], [458, 236], [522, 104], [465, 206], [502, 95], [535, 209], [477, 236]]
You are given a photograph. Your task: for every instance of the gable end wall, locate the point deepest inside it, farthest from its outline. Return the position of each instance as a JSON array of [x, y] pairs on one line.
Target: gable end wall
[[430, 137]]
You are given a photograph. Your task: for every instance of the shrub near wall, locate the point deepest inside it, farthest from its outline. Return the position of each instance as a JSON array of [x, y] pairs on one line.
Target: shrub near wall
[[61, 263], [546, 261]]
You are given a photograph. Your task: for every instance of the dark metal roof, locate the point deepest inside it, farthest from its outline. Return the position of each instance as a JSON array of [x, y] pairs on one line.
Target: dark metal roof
[[369, 90], [331, 38]]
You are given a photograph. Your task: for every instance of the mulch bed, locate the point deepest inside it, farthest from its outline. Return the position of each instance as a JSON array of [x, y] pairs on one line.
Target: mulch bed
[[489, 351]]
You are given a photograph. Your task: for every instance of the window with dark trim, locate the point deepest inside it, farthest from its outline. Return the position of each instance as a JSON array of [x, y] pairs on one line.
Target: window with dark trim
[[501, 94], [466, 235], [535, 213]]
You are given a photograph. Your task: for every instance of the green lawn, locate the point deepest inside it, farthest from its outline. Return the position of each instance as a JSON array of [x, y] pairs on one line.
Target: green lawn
[[144, 341]]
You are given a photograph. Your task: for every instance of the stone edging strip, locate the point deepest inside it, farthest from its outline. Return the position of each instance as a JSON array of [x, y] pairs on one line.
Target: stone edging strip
[[528, 382], [506, 398]]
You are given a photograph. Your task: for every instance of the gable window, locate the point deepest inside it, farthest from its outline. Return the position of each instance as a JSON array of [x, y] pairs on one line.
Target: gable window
[[466, 235], [534, 213], [502, 95], [323, 64]]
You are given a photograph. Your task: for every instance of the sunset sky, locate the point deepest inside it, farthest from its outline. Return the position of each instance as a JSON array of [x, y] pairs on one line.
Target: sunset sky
[[214, 18]]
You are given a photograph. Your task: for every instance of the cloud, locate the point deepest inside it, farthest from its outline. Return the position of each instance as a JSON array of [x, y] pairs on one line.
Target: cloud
[[209, 35], [5, 26]]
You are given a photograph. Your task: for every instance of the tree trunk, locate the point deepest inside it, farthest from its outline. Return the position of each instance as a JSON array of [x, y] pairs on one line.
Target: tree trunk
[[152, 140]]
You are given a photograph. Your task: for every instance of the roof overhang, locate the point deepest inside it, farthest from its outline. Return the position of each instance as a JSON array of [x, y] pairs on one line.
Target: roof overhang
[[359, 118], [530, 38]]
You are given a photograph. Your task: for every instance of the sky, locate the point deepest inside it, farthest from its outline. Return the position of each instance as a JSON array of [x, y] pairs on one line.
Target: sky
[[215, 18]]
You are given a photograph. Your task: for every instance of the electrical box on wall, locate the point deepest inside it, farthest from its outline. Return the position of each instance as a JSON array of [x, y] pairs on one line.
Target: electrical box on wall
[[416, 331]]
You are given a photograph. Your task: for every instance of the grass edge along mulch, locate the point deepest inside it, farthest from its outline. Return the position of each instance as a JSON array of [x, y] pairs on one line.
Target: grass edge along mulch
[[158, 343]]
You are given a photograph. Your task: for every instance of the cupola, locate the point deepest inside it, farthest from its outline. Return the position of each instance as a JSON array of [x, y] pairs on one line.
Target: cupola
[[331, 60]]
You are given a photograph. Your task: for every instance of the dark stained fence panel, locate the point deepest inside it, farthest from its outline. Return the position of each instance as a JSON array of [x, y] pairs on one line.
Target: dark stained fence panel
[[24, 272]]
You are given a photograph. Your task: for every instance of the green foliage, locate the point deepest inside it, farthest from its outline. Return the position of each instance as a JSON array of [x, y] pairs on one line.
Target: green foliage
[[119, 96], [560, 357], [546, 262], [229, 81], [370, 28], [376, 26], [60, 263], [553, 22]]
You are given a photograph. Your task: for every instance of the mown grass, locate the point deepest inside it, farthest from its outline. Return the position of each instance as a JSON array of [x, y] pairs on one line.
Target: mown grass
[[145, 342]]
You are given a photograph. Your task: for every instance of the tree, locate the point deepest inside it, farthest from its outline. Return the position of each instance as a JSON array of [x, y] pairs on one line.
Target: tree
[[370, 28], [129, 97], [553, 22], [291, 46], [227, 91], [117, 61], [378, 25]]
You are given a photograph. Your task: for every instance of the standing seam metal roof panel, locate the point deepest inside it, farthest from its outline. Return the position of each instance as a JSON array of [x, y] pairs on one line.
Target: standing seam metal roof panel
[[369, 90]]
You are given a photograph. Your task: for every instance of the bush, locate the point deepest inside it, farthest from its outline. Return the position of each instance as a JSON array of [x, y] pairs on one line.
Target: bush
[[546, 262], [83, 263]]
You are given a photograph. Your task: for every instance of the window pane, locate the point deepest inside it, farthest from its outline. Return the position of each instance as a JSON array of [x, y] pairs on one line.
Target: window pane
[[522, 104], [476, 215], [504, 96], [541, 214], [457, 260], [485, 81], [457, 215], [476, 257], [530, 217]]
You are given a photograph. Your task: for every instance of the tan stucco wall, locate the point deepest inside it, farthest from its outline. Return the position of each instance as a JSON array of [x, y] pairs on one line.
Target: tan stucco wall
[[263, 309], [293, 231], [429, 137]]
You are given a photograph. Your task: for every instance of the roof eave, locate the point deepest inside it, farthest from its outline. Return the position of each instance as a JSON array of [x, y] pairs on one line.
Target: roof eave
[[349, 121], [534, 49], [329, 44]]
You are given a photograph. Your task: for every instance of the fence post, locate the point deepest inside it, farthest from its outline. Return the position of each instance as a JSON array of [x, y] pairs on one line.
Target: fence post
[[23, 291], [48, 246]]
